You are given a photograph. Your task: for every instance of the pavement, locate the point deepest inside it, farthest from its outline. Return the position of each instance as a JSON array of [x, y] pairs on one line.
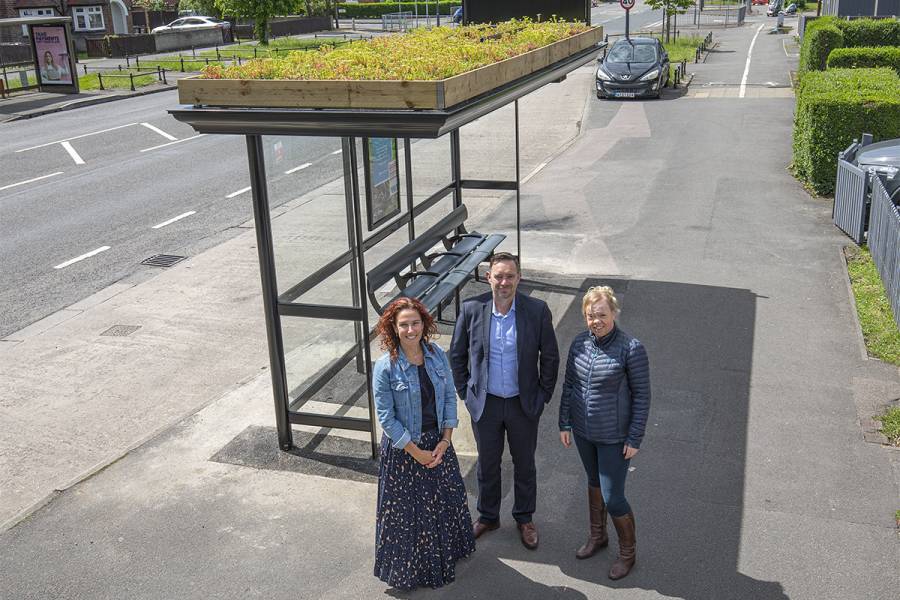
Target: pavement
[[139, 458]]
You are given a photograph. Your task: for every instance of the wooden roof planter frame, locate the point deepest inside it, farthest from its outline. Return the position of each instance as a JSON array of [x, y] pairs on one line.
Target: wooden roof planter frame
[[365, 94]]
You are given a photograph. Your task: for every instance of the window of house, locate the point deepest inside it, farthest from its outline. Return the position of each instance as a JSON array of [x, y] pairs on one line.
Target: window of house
[[88, 18], [34, 12]]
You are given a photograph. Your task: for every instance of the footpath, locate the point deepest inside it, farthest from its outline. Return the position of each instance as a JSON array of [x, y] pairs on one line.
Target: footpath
[[146, 465]]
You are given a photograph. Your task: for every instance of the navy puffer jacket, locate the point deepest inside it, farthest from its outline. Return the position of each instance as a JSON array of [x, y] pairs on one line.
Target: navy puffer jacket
[[606, 394]]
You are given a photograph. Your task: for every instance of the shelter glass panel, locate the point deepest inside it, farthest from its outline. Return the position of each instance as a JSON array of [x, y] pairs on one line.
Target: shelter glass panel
[[309, 218]]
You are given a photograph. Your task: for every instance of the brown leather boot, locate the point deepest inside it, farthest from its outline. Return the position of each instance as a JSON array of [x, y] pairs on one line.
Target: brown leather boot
[[625, 561], [597, 512]]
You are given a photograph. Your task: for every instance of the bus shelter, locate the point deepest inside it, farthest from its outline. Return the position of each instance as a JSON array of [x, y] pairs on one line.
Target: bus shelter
[[52, 51], [369, 141]]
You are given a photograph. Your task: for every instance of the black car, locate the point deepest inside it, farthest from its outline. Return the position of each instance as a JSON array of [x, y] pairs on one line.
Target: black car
[[633, 68]]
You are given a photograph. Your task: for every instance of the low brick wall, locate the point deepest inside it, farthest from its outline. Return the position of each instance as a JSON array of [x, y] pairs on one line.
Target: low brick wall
[[179, 40]]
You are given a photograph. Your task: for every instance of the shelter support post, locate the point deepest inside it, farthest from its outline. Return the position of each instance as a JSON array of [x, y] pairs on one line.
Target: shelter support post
[[269, 288], [353, 241], [359, 249], [518, 191]]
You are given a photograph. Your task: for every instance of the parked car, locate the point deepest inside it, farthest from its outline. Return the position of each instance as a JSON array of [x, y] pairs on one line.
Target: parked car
[[633, 68], [760, 2], [458, 15], [191, 22], [791, 9], [774, 8], [883, 158]]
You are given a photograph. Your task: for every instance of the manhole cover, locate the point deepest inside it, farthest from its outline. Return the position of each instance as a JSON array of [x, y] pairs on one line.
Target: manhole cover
[[162, 260], [121, 330]]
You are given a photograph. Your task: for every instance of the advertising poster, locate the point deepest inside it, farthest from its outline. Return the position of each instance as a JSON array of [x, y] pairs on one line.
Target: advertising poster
[[382, 180], [52, 53]]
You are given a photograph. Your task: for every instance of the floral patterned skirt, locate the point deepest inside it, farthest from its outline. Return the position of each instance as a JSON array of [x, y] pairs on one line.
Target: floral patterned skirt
[[423, 523]]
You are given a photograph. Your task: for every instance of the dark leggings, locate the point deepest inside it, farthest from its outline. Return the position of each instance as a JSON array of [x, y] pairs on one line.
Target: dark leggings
[[606, 468]]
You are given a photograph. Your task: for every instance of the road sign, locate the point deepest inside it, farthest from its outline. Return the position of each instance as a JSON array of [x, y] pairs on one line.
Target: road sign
[[627, 4]]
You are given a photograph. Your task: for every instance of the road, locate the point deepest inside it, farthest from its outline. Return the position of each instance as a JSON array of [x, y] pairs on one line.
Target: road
[[124, 181], [88, 194]]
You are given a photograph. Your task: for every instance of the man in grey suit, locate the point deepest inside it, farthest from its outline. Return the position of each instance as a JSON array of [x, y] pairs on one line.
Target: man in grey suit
[[505, 362]]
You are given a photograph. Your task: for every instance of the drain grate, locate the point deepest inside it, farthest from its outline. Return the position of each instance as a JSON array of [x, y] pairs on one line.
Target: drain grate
[[121, 330], [163, 260]]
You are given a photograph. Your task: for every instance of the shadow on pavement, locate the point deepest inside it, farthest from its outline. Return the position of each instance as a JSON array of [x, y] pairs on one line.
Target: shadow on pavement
[[687, 486]]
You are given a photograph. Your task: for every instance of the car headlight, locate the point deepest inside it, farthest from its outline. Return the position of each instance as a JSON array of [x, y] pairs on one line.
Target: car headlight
[[603, 75], [651, 75]]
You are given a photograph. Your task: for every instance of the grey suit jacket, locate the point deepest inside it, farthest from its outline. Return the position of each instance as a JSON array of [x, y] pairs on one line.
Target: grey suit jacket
[[538, 353]]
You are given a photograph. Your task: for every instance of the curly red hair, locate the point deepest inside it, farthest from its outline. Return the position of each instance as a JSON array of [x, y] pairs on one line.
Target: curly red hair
[[387, 324]]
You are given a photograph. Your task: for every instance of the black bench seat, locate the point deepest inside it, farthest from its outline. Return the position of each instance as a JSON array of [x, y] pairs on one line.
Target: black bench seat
[[437, 274]]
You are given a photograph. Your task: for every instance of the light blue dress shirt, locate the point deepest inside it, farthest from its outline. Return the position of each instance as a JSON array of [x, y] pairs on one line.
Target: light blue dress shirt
[[503, 360]]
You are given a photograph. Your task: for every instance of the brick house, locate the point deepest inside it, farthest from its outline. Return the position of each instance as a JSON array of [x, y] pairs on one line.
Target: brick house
[[90, 18]]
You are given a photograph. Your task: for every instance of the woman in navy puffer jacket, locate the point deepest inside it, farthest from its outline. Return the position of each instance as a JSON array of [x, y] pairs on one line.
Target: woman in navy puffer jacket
[[604, 406]]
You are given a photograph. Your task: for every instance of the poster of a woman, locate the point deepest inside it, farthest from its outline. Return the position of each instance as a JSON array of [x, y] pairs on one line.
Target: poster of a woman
[[53, 55]]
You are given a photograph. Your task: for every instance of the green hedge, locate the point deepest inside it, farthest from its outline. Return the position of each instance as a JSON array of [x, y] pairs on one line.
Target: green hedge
[[870, 32], [865, 58], [817, 45], [833, 108], [374, 10]]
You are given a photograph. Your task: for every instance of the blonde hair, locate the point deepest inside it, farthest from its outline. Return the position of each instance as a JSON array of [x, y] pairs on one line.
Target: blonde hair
[[598, 293]]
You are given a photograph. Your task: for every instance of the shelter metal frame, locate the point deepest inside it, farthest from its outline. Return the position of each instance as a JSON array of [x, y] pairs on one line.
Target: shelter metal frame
[[349, 124]]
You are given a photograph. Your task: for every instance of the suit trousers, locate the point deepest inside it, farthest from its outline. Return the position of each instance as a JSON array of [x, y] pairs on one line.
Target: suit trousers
[[503, 419]]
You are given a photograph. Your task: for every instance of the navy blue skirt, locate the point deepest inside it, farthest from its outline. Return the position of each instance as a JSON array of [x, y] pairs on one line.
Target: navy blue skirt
[[423, 525]]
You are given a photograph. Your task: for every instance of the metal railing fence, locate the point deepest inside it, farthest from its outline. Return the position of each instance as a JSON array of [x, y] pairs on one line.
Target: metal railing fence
[[849, 210], [884, 243], [159, 72], [398, 21]]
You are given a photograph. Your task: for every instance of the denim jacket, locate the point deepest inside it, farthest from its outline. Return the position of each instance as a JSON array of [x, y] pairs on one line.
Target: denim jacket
[[398, 397]]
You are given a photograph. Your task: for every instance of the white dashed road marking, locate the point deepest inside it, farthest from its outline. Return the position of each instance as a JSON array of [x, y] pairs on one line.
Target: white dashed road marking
[[239, 192], [82, 257], [295, 169], [193, 137], [159, 131], [77, 137], [12, 185], [75, 156], [173, 219]]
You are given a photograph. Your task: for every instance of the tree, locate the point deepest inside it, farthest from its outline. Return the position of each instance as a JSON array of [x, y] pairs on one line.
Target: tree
[[261, 11], [202, 7], [670, 7]]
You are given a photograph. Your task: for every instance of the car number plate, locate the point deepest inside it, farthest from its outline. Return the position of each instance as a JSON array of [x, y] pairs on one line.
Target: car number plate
[[624, 94]]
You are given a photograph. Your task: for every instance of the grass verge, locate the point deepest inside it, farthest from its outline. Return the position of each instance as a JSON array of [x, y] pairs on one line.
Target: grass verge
[[890, 425], [91, 82], [880, 332], [684, 48]]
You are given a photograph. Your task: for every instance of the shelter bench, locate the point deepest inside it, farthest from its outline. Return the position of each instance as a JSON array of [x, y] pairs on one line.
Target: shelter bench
[[443, 272]]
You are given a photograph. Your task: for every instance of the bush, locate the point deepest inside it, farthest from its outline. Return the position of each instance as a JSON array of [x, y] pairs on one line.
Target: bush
[[833, 108], [865, 58], [817, 45], [870, 32], [373, 10]]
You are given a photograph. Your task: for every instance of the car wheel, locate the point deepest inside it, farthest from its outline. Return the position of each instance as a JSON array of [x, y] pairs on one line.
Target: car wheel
[[600, 96]]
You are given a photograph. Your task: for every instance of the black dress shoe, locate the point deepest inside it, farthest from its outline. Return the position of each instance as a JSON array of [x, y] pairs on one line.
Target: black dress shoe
[[480, 527], [528, 533]]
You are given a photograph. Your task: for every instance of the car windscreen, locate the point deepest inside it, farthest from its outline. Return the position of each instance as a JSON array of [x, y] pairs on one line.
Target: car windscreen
[[638, 53]]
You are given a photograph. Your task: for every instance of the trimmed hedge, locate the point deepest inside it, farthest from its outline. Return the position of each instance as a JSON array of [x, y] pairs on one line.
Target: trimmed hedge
[[833, 108], [865, 58], [817, 45], [856, 33], [870, 32], [374, 10]]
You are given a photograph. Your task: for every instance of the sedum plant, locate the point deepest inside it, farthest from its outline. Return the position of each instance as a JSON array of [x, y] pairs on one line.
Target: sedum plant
[[422, 54]]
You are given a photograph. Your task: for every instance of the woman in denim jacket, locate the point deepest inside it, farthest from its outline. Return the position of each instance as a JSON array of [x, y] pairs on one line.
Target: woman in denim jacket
[[423, 524]]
